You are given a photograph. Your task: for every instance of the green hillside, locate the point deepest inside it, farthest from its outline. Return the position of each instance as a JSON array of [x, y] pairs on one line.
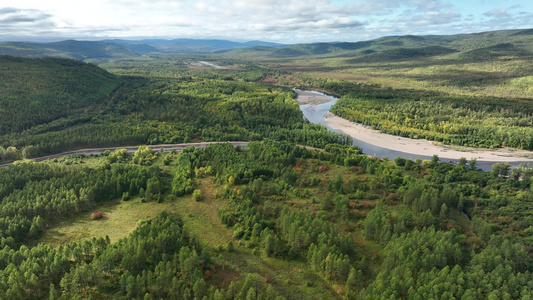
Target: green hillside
[[82, 50], [79, 50], [38, 91], [446, 44], [52, 105]]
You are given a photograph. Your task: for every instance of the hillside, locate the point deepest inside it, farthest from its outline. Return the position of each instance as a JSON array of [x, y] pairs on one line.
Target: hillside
[[400, 44], [38, 91], [496, 63], [52, 105], [268, 221], [107, 49], [79, 50]]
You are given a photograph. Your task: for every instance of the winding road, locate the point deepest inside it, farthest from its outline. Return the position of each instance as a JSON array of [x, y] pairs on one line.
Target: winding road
[[132, 149]]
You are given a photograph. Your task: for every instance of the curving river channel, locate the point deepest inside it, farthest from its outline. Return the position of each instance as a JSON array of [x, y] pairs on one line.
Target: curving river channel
[[316, 111]]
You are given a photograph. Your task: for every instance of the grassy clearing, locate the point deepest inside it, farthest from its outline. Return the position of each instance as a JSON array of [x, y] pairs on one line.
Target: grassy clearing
[[201, 218], [120, 219], [293, 279]]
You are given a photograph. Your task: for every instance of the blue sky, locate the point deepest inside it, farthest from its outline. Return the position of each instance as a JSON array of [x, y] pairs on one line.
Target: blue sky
[[285, 21]]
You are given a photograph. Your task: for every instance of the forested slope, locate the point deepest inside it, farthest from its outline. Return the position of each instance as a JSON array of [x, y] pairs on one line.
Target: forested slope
[[63, 104], [37, 91]]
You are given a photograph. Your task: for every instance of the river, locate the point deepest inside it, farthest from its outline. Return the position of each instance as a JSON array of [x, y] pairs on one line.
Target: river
[[316, 112]]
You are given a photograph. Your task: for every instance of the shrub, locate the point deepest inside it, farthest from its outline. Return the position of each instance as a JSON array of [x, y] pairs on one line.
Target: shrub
[[96, 215], [197, 195]]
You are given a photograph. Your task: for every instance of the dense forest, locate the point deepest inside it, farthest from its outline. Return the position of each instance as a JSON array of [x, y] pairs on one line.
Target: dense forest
[[274, 219], [38, 91], [133, 111], [354, 226]]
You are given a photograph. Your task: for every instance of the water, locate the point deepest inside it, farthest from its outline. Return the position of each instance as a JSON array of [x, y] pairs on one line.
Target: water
[[315, 114]]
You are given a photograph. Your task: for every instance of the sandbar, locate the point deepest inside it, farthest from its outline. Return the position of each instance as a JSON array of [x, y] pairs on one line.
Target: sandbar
[[408, 145], [309, 97], [423, 147]]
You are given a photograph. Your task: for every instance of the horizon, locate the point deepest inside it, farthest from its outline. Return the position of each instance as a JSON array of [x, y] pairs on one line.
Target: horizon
[[145, 39], [286, 22]]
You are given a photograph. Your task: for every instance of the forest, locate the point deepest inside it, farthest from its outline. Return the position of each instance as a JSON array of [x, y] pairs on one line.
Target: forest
[[298, 213], [137, 110], [355, 227]]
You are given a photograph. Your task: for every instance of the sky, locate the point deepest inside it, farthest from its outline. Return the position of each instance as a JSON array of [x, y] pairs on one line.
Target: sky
[[283, 21]]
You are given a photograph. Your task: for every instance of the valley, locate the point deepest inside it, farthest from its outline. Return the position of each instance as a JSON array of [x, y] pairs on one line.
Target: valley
[[183, 169]]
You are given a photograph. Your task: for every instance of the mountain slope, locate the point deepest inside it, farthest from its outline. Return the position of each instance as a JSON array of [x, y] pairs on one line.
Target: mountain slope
[[83, 50], [37, 91], [79, 50], [398, 47]]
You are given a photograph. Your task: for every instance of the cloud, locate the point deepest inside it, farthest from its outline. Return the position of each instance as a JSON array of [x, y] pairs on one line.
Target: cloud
[[497, 13], [281, 20], [8, 10], [430, 5], [15, 16]]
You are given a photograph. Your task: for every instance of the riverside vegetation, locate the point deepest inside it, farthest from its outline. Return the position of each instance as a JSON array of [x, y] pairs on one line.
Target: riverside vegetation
[[272, 220]]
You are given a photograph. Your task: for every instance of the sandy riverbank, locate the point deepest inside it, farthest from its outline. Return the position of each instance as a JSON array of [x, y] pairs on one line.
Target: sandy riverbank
[[422, 147], [407, 145], [306, 97]]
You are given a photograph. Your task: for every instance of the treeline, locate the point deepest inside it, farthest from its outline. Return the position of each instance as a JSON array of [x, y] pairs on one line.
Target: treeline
[[429, 264]]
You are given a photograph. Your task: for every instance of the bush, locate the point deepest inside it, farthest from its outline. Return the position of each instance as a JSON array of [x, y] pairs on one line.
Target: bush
[[96, 215], [197, 195], [230, 247], [400, 162]]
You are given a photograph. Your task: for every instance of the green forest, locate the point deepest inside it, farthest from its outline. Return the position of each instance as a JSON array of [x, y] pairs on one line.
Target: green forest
[[112, 111], [298, 212], [269, 221]]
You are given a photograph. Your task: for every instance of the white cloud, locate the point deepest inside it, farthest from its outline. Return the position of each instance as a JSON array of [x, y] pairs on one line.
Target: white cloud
[[280, 20], [497, 13]]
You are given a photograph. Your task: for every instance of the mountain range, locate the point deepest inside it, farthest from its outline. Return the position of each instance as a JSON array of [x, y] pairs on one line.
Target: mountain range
[[476, 45], [81, 50]]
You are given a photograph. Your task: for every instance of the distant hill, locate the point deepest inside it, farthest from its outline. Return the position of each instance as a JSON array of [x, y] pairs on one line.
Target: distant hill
[[38, 91], [395, 48], [392, 48], [83, 50], [200, 45]]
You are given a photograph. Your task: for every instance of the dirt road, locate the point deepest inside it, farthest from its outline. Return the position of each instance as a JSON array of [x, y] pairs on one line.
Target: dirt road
[[130, 149]]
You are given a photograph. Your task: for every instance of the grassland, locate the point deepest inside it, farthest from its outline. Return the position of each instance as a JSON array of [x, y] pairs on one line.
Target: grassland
[[291, 278]]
